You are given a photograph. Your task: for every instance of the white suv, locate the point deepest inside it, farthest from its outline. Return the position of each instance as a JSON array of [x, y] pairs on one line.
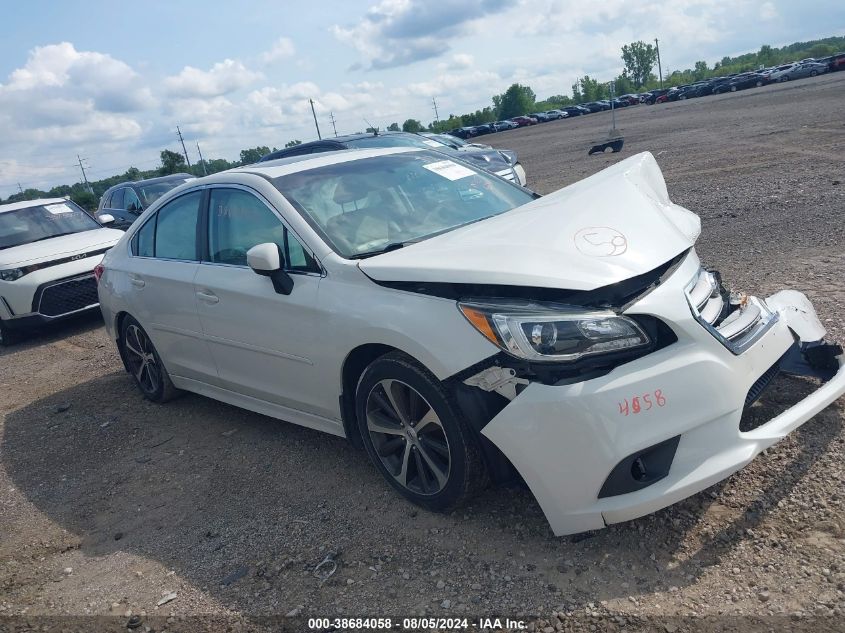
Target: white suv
[[48, 251], [461, 328]]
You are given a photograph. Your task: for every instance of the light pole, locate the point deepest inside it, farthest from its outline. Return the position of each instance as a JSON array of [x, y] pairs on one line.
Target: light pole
[[659, 67]]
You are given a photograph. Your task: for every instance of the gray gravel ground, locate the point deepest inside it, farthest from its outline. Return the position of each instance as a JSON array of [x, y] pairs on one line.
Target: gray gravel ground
[[109, 504]]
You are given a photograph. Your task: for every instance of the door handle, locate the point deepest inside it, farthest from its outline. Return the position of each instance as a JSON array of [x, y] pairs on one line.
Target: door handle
[[136, 281], [207, 296]]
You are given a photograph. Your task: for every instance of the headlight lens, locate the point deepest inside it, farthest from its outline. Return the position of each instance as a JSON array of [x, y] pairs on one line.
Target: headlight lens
[[10, 274], [544, 332]]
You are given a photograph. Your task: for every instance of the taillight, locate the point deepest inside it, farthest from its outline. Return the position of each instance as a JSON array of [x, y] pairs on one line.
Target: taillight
[[99, 269]]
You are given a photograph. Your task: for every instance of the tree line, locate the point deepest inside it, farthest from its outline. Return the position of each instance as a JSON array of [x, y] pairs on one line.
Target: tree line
[[639, 59]]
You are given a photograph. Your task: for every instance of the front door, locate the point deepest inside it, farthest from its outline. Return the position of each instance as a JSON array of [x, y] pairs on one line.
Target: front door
[[262, 342]]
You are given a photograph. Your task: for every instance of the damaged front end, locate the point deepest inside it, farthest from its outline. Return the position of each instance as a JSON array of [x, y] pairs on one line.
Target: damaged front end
[[608, 437]]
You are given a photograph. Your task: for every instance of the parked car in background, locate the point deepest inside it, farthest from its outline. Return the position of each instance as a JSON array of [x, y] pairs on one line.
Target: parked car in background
[[127, 200], [651, 97], [541, 117], [504, 163], [572, 111], [522, 121], [48, 251], [485, 128], [463, 132], [798, 71], [747, 80], [557, 114], [506, 125], [453, 141], [836, 62], [408, 303], [592, 106]]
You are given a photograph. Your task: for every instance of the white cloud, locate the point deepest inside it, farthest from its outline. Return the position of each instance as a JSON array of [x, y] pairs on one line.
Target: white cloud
[[223, 78], [768, 11], [282, 48]]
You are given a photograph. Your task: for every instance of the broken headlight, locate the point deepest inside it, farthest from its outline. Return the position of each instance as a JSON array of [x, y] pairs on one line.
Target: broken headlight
[[545, 332]]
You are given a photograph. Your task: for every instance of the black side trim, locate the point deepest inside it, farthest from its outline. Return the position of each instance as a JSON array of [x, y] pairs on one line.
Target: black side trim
[[641, 469], [64, 260]]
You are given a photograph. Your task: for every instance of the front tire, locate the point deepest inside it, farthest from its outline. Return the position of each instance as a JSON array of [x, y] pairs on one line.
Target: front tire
[[415, 435], [813, 73], [144, 363], [8, 336]]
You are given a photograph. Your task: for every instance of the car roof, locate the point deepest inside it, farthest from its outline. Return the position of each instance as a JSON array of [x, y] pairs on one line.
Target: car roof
[[14, 206], [151, 181], [283, 166]]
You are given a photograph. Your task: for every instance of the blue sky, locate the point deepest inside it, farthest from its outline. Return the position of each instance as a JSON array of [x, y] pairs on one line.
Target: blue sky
[[110, 81]]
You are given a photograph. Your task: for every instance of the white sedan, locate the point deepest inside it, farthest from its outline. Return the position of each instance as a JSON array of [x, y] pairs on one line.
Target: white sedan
[[48, 251], [463, 329]]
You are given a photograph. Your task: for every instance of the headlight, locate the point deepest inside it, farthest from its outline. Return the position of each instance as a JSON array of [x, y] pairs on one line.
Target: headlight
[[543, 332], [10, 274]]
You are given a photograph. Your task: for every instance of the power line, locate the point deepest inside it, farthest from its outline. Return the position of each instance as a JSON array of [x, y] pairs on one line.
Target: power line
[[311, 101], [181, 140]]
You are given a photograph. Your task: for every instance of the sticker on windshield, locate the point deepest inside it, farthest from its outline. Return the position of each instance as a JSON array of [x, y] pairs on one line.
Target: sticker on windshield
[[450, 170], [433, 143], [58, 209]]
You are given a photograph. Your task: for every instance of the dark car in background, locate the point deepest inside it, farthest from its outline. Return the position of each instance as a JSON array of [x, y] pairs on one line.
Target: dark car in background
[[503, 163], [463, 132], [747, 80], [522, 121], [127, 200]]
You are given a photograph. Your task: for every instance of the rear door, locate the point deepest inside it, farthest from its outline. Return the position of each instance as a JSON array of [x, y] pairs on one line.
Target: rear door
[[263, 343], [165, 260], [117, 204]]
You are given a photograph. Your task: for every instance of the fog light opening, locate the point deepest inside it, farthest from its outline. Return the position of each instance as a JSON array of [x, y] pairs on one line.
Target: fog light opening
[[638, 470]]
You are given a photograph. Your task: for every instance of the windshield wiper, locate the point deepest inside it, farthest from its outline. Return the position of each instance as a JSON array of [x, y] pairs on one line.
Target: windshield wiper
[[393, 246]]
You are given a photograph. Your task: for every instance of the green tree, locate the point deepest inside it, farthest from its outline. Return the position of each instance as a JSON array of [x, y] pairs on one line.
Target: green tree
[[171, 162], [293, 143], [639, 59], [591, 90], [412, 125], [85, 199], [393, 127], [516, 100], [253, 154], [766, 56]]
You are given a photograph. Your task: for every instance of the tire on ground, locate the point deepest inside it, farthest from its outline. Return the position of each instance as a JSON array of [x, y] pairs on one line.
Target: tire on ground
[[467, 472], [160, 389]]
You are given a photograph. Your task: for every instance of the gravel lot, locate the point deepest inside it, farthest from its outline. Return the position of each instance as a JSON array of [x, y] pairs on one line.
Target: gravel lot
[[109, 504]]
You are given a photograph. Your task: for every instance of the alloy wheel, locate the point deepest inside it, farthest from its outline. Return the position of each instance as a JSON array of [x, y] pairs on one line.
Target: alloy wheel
[[408, 437], [142, 359]]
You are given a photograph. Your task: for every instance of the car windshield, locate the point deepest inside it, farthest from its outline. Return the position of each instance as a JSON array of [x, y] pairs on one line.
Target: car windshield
[[41, 222], [153, 191], [364, 207]]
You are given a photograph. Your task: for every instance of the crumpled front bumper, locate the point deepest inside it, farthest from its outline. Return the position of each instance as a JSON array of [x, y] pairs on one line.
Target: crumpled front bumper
[[566, 439]]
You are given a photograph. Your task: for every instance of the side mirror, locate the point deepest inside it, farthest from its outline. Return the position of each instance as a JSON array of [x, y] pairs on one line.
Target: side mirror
[[267, 260], [105, 218]]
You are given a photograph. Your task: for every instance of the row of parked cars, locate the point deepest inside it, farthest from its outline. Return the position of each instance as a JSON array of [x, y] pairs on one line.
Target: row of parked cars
[[716, 85]]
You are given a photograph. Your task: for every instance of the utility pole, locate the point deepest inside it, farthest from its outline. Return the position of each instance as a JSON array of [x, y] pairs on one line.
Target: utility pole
[[436, 114], [659, 67], [202, 162], [334, 127], [19, 187], [84, 177], [314, 114], [184, 151]]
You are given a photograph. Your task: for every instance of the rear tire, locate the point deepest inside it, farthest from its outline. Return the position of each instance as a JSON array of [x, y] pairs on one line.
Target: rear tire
[[813, 73], [415, 435], [144, 363]]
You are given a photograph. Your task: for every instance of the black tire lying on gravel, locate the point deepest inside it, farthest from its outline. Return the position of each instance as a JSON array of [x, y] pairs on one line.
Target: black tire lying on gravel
[[448, 446]]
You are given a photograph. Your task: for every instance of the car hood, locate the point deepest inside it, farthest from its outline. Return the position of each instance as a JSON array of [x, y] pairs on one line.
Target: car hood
[[616, 224], [58, 247]]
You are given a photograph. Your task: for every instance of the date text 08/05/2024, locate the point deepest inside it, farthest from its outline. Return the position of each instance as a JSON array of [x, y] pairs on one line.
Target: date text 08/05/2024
[[412, 624]]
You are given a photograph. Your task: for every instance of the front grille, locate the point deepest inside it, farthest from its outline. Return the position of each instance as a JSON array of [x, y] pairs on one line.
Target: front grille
[[70, 295], [736, 321]]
